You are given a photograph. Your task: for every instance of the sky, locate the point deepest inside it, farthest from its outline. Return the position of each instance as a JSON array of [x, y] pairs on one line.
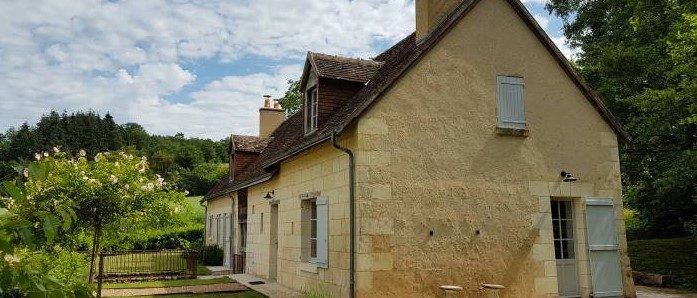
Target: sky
[[199, 67]]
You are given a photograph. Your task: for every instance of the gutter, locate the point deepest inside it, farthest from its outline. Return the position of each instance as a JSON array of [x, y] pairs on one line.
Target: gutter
[[352, 214]]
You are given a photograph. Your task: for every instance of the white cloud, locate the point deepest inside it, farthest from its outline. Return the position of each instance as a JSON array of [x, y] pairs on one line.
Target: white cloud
[[543, 2], [564, 47], [542, 20], [126, 56]]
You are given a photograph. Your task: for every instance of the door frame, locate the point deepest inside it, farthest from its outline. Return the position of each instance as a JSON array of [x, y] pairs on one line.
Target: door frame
[[575, 261]]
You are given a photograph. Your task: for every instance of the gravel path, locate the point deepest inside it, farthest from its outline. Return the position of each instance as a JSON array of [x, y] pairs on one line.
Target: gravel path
[[228, 287], [649, 292]]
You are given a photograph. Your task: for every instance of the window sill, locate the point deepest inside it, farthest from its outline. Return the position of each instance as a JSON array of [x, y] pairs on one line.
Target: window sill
[[515, 132], [308, 267]]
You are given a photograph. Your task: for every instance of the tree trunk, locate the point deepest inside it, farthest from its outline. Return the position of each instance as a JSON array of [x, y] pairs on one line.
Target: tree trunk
[[95, 249]]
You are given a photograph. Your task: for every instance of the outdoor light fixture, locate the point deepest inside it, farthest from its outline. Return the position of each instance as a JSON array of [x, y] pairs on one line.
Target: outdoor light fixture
[[269, 195], [568, 177]]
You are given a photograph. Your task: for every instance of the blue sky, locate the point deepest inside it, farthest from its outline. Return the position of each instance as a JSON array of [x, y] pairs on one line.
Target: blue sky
[[191, 66]]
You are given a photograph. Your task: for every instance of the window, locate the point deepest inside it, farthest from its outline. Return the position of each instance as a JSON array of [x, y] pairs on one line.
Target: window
[[311, 110], [563, 230], [314, 231], [210, 226], [261, 223], [511, 106]]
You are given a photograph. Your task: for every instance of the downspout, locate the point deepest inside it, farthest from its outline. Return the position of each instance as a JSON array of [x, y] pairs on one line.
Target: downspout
[[352, 215]]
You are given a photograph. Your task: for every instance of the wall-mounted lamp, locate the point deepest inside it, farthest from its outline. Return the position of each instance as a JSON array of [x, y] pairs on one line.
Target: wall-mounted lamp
[[568, 177], [269, 195]]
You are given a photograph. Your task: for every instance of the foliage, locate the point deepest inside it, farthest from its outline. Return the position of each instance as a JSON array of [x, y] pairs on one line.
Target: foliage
[[674, 257], [68, 267], [641, 56], [168, 155], [199, 180], [211, 255], [292, 100], [188, 237], [25, 270]]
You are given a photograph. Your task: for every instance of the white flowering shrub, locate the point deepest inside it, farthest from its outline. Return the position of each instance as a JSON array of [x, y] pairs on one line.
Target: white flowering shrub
[[61, 199]]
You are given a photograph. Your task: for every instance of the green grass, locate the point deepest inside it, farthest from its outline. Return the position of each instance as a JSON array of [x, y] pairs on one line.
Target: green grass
[[167, 283], [197, 212], [202, 270], [244, 294], [676, 257]]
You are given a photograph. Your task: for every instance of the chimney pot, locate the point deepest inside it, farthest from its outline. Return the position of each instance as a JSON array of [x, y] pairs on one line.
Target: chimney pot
[[277, 105]]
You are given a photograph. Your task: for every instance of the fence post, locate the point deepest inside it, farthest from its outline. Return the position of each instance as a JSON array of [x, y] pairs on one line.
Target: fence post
[[100, 275]]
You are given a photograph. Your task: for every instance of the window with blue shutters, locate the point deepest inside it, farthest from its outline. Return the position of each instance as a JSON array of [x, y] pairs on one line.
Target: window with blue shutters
[[510, 102], [315, 236]]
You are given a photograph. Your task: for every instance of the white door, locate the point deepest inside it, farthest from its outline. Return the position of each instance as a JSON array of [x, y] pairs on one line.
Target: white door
[[603, 249], [565, 248]]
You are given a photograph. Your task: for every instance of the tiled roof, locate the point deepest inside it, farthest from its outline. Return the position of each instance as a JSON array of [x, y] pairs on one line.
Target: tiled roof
[[249, 143], [289, 139], [342, 68]]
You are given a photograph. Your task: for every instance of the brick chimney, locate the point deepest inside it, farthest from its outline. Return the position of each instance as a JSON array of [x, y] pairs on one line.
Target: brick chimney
[[271, 115], [429, 13]]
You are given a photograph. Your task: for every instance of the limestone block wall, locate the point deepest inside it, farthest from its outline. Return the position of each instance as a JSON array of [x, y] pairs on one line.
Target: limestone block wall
[[443, 199], [216, 207], [321, 170]]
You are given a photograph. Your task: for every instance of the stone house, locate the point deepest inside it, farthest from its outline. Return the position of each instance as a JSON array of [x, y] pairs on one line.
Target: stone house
[[470, 152]]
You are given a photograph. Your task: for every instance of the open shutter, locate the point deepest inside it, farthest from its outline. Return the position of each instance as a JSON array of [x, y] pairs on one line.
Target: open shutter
[[511, 107], [603, 249], [322, 232]]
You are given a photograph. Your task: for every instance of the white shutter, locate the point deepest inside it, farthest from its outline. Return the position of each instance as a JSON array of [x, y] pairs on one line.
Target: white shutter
[[603, 248], [511, 106], [322, 232]]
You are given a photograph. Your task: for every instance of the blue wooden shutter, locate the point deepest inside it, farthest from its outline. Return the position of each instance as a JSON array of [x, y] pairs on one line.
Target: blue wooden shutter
[[511, 106], [322, 232], [603, 249]]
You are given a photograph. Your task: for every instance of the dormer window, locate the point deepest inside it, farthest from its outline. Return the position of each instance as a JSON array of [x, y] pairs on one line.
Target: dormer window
[[311, 110]]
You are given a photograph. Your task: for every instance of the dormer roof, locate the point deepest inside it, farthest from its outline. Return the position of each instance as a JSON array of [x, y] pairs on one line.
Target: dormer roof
[[340, 68]]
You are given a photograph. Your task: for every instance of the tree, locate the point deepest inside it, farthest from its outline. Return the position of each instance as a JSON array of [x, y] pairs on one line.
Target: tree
[[20, 239], [107, 194], [292, 100], [641, 56]]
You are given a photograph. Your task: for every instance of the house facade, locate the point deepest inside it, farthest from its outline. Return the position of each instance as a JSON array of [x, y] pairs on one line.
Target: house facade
[[467, 153]]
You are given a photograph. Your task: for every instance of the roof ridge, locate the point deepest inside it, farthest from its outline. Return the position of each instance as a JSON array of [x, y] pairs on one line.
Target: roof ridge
[[345, 59]]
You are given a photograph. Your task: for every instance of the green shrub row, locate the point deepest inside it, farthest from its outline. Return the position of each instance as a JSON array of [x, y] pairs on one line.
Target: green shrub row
[[211, 255], [189, 237]]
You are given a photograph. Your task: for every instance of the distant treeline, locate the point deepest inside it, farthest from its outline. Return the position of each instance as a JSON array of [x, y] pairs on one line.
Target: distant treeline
[[191, 164]]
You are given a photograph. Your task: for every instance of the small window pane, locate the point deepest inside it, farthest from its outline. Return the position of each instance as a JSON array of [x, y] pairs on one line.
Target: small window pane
[[555, 209], [313, 229], [313, 248], [566, 227], [557, 249], [568, 249], [556, 229]]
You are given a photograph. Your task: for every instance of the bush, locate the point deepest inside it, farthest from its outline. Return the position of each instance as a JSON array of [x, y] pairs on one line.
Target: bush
[[189, 237], [674, 257], [69, 268], [211, 255]]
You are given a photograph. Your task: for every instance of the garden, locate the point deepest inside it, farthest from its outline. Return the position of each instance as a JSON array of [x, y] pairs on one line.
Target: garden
[[69, 216]]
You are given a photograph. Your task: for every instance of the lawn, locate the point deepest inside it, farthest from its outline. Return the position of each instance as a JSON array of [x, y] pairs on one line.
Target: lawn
[[244, 294], [677, 257], [167, 283], [198, 210]]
